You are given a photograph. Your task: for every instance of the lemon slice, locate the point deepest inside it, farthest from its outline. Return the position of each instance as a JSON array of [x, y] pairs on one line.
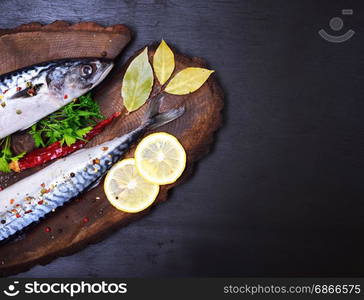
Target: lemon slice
[[160, 158], [127, 190]]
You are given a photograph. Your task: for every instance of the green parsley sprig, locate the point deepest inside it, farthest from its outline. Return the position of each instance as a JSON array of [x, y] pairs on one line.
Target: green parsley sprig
[[68, 124], [6, 155]]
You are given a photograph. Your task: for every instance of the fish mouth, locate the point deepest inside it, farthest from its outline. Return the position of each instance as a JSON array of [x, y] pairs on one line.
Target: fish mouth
[[107, 65]]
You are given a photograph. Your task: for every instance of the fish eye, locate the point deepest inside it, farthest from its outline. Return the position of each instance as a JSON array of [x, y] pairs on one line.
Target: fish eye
[[86, 70]]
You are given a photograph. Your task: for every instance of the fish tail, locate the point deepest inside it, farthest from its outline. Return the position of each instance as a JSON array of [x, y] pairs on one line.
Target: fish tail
[[153, 119]]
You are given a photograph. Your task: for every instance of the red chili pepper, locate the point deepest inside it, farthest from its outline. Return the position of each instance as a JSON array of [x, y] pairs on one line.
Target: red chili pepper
[[56, 150]]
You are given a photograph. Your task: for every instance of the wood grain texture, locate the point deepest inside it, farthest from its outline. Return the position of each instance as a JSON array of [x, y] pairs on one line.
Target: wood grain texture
[[32, 43], [195, 130]]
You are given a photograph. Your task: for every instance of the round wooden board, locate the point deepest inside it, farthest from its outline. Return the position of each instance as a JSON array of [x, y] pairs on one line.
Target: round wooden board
[[195, 130]]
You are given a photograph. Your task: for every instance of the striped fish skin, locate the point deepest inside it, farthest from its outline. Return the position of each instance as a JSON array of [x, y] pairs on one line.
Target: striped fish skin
[[32, 198], [29, 94]]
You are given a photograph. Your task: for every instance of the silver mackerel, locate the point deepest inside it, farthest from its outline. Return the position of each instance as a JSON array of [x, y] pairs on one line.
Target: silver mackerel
[[29, 94], [33, 197]]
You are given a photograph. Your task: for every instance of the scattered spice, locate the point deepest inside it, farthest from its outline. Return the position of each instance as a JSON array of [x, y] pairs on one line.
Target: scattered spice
[[44, 191], [31, 92]]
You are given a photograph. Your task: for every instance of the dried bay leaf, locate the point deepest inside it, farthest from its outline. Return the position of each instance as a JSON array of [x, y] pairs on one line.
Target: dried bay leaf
[[163, 62], [137, 82], [188, 80]]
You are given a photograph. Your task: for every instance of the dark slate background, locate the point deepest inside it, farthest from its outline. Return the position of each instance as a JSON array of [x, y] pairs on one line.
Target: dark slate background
[[282, 192]]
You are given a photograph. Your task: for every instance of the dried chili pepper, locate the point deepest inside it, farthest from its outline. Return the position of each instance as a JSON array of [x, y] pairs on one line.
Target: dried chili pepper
[[57, 150]]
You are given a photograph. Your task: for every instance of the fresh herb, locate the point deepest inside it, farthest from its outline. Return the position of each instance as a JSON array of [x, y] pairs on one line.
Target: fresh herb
[[68, 124], [138, 79], [6, 155], [137, 82]]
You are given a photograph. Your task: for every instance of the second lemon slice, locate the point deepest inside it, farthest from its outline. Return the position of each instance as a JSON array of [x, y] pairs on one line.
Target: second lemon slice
[[127, 190], [160, 158]]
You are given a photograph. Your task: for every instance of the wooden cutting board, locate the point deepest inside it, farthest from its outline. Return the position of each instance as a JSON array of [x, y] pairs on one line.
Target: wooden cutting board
[[69, 233]]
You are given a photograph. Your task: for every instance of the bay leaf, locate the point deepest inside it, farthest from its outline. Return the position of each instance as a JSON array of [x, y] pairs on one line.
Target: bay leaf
[[137, 82], [163, 62], [188, 80]]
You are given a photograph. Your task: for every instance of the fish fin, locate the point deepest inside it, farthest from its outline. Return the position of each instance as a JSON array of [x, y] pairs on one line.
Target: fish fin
[[153, 119], [95, 184], [28, 92]]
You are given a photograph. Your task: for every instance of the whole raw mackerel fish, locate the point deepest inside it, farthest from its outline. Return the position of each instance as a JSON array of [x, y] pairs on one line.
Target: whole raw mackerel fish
[[30, 199], [29, 94]]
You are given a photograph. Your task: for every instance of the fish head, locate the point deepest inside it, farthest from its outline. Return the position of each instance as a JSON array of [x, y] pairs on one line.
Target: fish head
[[73, 78]]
